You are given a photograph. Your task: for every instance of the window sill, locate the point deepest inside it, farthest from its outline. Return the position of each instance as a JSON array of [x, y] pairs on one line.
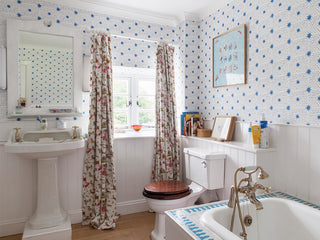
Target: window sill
[[131, 134]]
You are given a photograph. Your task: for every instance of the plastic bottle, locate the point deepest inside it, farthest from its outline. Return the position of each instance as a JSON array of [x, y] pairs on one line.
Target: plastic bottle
[[256, 133], [264, 135]]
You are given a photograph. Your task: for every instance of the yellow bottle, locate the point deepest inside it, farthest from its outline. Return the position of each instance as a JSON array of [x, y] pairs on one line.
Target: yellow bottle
[[256, 131]]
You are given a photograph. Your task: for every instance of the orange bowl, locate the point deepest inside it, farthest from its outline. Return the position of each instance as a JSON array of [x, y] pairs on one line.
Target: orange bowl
[[137, 128]]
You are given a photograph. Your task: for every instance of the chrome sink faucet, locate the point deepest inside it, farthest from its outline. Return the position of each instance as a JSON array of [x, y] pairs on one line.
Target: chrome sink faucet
[[75, 133], [18, 138], [250, 192]]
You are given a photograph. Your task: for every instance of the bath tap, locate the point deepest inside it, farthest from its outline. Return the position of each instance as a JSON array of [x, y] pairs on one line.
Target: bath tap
[[248, 190], [250, 193]]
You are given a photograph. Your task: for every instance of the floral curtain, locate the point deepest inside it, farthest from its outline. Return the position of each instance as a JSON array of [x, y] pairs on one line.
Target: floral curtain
[[99, 190], [166, 160]]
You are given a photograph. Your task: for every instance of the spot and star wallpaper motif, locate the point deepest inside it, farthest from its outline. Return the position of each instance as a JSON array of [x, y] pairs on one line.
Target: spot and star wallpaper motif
[[283, 63]]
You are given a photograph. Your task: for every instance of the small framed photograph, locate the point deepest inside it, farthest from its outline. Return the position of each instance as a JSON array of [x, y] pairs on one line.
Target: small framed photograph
[[229, 58], [223, 127]]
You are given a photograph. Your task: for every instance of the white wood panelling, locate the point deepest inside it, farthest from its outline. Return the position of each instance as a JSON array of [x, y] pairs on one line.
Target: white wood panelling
[[238, 155], [133, 163], [297, 167], [294, 167], [133, 166], [314, 167]]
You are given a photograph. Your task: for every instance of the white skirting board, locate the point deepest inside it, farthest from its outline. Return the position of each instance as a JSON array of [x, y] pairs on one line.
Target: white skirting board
[[11, 227], [16, 226], [134, 206]]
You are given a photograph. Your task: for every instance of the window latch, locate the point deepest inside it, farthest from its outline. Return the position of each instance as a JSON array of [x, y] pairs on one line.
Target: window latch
[[138, 103], [129, 103]]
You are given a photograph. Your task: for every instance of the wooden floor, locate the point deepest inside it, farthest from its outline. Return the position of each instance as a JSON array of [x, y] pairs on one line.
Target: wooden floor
[[136, 226]]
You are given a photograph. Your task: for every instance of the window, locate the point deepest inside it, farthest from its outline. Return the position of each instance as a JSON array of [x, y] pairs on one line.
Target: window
[[133, 96]]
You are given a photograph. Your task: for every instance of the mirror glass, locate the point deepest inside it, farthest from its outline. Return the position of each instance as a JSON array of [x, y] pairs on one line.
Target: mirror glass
[[45, 70]]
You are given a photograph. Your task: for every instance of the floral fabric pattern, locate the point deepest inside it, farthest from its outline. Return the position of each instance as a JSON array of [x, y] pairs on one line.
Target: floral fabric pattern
[[99, 189], [166, 160]]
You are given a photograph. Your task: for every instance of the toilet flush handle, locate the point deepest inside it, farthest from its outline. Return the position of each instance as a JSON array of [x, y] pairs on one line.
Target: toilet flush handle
[[204, 164]]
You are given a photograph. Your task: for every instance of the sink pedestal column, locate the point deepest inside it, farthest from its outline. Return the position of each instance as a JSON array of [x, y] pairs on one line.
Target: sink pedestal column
[[49, 221]]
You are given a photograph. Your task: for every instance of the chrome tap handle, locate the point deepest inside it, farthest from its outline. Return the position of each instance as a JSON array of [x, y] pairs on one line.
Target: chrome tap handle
[[75, 133], [260, 186], [267, 189], [17, 135]]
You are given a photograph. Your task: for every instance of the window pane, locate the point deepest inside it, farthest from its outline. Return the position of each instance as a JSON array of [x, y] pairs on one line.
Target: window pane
[[120, 86], [120, 102], [120, 118], [146, 102], [146, 87], [146, 118]]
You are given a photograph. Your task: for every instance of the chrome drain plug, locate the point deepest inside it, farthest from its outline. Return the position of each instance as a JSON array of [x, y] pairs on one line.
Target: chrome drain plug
[[247, 220]]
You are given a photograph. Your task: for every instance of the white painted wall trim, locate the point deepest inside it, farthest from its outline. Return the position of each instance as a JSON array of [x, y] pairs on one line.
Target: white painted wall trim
[[13, 226], [134, 206], [75, 216], [120, 11], [16, 226]]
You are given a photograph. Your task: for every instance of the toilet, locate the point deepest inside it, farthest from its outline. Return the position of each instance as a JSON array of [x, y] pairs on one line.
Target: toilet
[[205, 170]]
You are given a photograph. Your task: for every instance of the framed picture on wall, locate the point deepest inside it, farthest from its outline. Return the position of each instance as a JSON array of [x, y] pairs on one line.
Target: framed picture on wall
[[229, 57]]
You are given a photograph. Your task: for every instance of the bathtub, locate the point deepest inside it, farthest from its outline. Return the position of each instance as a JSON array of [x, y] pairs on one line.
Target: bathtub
[[280, 219]]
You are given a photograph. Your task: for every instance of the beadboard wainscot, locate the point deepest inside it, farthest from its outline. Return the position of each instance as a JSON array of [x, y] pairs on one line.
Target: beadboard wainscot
[[133, 153]]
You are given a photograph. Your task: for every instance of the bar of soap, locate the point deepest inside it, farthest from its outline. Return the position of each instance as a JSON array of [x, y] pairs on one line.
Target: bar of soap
[[46, 139]]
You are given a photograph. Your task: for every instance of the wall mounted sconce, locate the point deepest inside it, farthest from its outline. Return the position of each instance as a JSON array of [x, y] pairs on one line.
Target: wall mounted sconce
[[3, 68], [86, 74]]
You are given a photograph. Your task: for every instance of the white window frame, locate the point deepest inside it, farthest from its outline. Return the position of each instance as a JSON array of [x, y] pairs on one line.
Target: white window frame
[[134, 76]]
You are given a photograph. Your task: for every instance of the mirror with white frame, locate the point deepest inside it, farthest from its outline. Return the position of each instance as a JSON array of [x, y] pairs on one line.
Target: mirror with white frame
[[43, 69]]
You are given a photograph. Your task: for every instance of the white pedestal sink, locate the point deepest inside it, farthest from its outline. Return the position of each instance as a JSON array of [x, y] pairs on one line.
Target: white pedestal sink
[[49, 221]]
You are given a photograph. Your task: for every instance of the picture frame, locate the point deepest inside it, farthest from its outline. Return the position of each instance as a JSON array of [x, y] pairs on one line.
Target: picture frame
[[223, 127], [229, 57]]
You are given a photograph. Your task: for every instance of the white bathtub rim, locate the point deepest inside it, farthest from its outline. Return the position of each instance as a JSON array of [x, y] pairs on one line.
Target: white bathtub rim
[[208, 220]]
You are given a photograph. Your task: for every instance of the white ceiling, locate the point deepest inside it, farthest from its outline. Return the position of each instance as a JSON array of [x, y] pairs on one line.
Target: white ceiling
[[169, 12]]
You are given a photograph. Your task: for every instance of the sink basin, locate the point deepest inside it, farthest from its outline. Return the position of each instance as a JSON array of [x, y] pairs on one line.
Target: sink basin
[[46, 146], [43, 144]]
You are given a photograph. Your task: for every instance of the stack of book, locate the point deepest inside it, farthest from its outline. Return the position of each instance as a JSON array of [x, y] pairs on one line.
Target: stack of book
[[190, 122]]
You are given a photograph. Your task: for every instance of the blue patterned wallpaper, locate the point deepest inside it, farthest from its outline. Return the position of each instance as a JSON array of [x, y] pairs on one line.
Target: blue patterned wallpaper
[[282, 64], [51, 72], [283, 78], [138, 53], [137, 47]]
